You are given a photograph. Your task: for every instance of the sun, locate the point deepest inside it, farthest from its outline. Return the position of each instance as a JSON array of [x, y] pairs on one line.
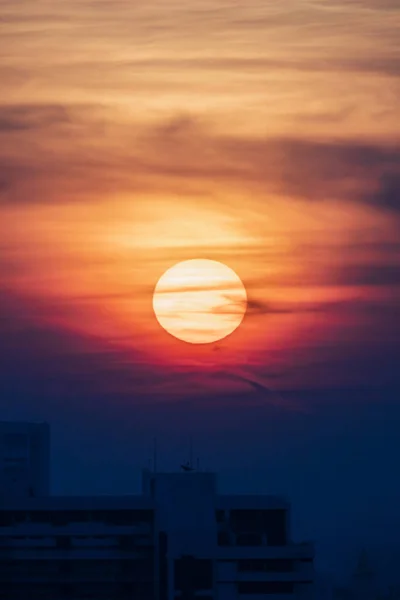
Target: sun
[[200, 301]]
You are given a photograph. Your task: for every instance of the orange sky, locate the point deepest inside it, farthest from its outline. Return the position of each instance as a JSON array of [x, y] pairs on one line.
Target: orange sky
[[261, 134]]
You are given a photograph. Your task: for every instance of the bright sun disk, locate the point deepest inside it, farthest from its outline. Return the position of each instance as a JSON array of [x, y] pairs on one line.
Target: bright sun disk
[[200, 301]]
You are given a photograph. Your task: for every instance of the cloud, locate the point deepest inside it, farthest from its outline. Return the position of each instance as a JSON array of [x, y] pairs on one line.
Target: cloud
[[259, 307], [388, 192], [119, 70], [368, 274], [40, 351], [185, 155], [264, 393], [355, 306], [24, 117]]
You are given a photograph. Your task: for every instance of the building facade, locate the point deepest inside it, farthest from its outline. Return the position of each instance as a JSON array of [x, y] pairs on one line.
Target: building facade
[[24, 459], [177, 540]]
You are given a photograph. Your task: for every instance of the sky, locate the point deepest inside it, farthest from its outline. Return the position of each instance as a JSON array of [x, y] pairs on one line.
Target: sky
[[263, 135]]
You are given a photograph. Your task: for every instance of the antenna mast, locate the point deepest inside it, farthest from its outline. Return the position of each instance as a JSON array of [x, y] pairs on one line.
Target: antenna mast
[[155, 456]]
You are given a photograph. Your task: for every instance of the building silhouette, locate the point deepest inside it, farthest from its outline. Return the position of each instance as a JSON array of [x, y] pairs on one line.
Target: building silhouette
[[178, 539], [24, 459], [363, 583]]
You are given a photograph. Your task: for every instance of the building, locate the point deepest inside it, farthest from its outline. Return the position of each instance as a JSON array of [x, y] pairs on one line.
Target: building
[[178, 539], [324, 585], [24, 459], [363, 584]]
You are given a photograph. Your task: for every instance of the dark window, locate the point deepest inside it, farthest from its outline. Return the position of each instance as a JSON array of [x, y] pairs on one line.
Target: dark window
[[127, 588], [77, 516], [276, 527], [59, 518], [63, 542], [271, 522], [20, 516], [31, 590], [220, 516], [126, 568], [65, 590], [203, 574], [249, 539], [40, 516], [123, 517], [65, 568], [10, 517], [6, 518], [245, 520], [127, 542], [224, 538], [96, 590], [274, 565], [193, 574], [196, 597], [141, 591], [136, 569], [265, 587]]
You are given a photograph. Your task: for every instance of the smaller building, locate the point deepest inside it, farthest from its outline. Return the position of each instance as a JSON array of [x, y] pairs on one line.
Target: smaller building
[[24, 459], [178, 540]]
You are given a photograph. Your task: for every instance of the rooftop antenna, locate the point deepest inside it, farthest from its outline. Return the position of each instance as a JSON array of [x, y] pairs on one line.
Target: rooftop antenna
[[191, 452], [189, 465], [155, 455]]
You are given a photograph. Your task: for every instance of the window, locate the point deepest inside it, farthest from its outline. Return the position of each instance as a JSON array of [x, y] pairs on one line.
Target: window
[[123, 517], [6, 519], [40, 516], [193, 574], [224, 538], [11, 517], [197, 597], [134, 568], [65, 568], [58, 517], [63, 542], [265, 587], [245, 520], [95, 591], [64, 517], [139, 591], [271, 523], [31, 590], [275, 526], [273, 565], [65, 590], [127, 542], [249, 539]]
